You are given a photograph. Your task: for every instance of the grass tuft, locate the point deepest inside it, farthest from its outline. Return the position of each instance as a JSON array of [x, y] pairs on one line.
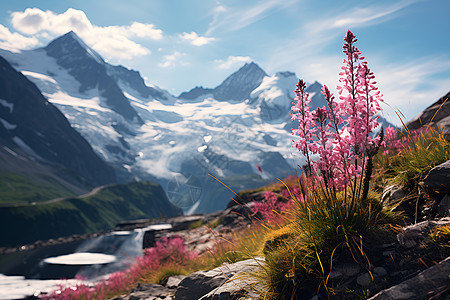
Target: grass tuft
[[302, 253], [419, 152]]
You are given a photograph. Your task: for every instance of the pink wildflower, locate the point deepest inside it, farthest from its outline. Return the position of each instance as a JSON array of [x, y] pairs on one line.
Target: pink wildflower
[[341, 133]]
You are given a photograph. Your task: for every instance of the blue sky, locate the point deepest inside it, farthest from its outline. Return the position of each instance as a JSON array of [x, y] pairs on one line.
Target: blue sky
[[178, 44]]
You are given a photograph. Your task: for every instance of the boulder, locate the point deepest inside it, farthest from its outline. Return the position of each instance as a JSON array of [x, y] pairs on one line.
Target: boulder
[[428, 283], [240, 285], [438, 179], [202, 283], [174, 281], [392, 194], [413, 235]]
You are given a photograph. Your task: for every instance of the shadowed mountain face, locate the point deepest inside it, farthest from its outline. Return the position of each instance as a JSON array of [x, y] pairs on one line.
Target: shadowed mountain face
[[134, 80], [29, 123], [89, 69]]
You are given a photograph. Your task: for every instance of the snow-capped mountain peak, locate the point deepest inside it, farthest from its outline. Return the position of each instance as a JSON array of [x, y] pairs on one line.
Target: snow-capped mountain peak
[[236, 87], [70, 45], [241, 83]]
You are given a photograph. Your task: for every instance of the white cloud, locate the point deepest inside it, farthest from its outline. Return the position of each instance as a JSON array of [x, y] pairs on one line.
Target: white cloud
[[110, 41], [232, 61], [326, 29], [172, 60], [14, 41], [145, 31], [34, 21], [231, 19], [195, 39], [304, 52], [411, 87], [115, 46]]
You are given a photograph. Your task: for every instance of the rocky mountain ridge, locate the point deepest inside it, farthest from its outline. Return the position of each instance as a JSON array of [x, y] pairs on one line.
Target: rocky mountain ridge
[[236, 87], [35, 132]]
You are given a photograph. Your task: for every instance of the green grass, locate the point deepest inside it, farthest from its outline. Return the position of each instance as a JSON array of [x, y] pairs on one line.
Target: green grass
[[317, 235], [17, 189], [83, 215], [411, 164]]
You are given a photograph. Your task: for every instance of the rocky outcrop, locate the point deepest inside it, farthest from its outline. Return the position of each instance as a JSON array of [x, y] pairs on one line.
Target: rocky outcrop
[[436, 115], [226, 282]]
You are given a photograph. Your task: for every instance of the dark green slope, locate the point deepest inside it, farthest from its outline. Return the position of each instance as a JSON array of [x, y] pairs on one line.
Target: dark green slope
[[100, 211]]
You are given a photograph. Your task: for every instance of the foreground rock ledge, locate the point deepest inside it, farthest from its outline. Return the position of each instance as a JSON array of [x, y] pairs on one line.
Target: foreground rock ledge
[[426, 284], [225, 282]]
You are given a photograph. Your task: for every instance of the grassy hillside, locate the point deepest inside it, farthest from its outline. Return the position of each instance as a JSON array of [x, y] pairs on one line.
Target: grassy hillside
[[97, 212], [18, 189]]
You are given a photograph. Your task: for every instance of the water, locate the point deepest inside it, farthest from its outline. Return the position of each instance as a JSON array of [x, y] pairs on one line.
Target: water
[[33, 271]]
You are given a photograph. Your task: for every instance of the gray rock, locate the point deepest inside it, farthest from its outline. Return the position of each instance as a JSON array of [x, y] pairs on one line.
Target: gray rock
[[240, 285], [438, 179], [392, 194], [148, 291], [422, 286], [364, 279], [174, 281], [380, 271], [436, 116], [444, 206], [198, 284], [335, 274], [349, 270], [414, 234]]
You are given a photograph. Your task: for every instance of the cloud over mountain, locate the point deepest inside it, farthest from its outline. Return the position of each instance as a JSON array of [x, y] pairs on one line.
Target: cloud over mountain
[[111, 41]]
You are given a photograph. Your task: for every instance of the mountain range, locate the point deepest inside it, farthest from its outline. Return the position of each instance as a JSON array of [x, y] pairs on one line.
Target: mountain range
[[185, 143]]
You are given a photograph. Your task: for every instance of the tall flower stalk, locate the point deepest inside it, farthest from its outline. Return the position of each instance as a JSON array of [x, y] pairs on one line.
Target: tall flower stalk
[[340, 134]]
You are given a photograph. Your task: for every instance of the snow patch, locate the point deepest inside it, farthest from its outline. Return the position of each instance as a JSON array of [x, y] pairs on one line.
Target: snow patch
[[8, 125], [8, 105], [62, 98], [39, 76], [19, 142], [202, 148]]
